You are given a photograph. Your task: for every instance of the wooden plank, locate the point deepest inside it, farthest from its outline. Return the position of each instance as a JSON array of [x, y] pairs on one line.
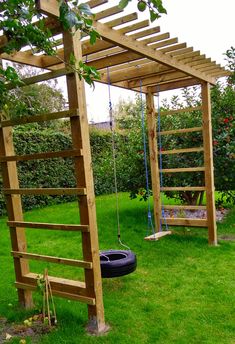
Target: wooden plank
[[180, 131], [153, 157], [48, 7], [14, 212], [174, 49], [122, 20], [52, 259], [185, 222], [146, 51], [184, 207], [80, 298], [46, 191], [156, 236], [84, 177], [147, 32], [183, 188], [157, 79], [208, 162], [39, 118], [185, 169], [173, 85], [180, 111], [48, 226], [164, 43], [136, 26], [108, 12], [155, 38], [183, 150], [44, 155]]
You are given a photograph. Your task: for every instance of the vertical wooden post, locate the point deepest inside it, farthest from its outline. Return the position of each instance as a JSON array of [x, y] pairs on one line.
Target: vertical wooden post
[[152, 138], [84, 176], [14, 210], [208, 162]]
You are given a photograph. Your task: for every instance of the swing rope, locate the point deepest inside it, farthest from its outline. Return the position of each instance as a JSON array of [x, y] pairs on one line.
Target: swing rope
[[150, 221], [114, 162], [160, 162]]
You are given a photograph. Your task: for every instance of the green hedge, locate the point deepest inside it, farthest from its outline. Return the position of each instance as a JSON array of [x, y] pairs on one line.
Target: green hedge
[[60, 172]]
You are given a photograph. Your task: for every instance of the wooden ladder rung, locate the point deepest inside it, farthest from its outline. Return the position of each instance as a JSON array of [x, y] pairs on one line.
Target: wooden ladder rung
[[39, 118], [181, 111], [48, 226], [44, 155], [180, 131], [183, 150], [183, 169], [46, 191], [52, 259], [171, 221], [76, 297], [183, 188], [184, 207]]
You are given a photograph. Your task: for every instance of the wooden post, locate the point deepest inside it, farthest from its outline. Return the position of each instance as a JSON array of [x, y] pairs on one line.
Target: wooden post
[[208, 163], [14, 210], [84, 176], [152, 138]]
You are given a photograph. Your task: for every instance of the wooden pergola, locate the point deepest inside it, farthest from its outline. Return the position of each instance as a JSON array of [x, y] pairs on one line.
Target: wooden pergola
[[133, 52]]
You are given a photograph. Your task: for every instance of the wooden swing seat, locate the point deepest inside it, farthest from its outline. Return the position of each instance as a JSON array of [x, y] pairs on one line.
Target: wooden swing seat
[[158, 235]]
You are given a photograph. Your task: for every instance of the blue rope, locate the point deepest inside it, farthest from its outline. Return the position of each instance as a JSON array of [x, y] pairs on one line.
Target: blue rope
[[150, 222], [160, 162]]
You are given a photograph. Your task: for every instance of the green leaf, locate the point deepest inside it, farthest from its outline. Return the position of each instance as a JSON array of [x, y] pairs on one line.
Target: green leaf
[[123, 3], [153, 15]]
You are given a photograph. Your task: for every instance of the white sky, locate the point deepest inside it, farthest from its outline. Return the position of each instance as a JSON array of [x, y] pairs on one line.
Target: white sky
[[205, 25]]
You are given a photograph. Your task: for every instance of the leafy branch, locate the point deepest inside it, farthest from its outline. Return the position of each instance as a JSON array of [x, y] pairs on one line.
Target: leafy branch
[[155, 7]]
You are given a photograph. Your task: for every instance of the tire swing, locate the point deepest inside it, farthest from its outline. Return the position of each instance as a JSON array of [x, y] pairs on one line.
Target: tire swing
[[116, 263]]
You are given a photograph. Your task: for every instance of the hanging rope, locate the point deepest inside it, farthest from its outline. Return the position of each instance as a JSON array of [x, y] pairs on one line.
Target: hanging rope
[[150, 222], [160, 160], [114, 161]]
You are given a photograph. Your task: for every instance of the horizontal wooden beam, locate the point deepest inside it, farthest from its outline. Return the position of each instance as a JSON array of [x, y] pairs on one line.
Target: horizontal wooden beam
[[46, 155], [181, 111], [173, 85], [39, 118], [48, 226], [182, 150], [180, 131], [184, 207], [183, 188], [46, 191], [52, 259], [185, 222], [183, 169]]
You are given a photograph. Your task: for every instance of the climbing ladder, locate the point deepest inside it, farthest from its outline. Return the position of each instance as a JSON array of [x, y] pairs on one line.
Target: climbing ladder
[[89, 291], [205, 131]]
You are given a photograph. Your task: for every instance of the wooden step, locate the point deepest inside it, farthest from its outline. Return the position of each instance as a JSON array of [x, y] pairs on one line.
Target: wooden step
[[44, 155], [49, 226], [171, 221], [183, 150], [180, 131], [158, 235], [183, 188], [39, 118], [184, 207], [183, 169], [46, 191], [181, 111], [61, 287], [52, 259]]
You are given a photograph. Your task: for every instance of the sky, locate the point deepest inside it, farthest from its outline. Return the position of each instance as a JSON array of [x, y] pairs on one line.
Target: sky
[[205, 25]]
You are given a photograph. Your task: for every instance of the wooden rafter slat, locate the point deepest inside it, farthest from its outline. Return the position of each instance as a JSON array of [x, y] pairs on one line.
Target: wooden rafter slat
[[173, 85], [172, 48], [95, 3], [44, 155], [136, 26], [183, 150], [122, 20], [147, 32], [39, 118], [113, 60], [48, 226], [158, 78], [108, 12], [165, 43], [46, 191], [179, 52], [155, 38], [128, 43], [52, 259]]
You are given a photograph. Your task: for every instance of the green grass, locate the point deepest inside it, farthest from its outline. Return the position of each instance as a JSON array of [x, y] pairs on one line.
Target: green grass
[[182, 291]]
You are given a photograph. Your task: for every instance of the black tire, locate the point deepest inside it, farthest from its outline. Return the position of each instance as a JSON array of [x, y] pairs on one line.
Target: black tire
[[115, 263]]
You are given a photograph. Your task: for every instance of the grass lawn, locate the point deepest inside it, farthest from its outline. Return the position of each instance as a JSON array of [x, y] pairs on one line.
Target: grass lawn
[[182, 292]]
